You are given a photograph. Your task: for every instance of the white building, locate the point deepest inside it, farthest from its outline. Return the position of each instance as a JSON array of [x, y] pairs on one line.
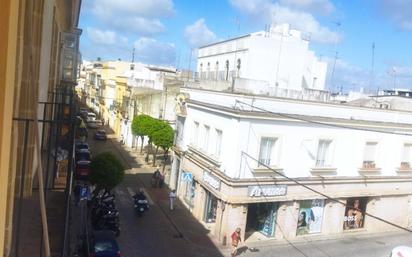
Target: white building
[[279, 57], [359, 156]]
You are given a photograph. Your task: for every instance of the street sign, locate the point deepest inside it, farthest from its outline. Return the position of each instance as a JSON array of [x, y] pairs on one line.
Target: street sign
[[84, 192], [187, 176]]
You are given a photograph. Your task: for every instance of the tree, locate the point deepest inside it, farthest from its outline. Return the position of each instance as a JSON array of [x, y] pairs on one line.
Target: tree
[[106, 171], [163, 138], [139, 127]]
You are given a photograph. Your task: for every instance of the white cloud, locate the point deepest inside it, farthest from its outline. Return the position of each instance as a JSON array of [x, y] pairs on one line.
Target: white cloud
[[131, 16], [315, 6], [141, 8], [198, 34], [141, 26], [149, 50], [268, 11], [105, 37], [399, 11], [349, 76]]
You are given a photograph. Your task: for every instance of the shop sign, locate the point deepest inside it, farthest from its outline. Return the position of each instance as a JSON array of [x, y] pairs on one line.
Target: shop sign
[[211, 180], [267, 190]]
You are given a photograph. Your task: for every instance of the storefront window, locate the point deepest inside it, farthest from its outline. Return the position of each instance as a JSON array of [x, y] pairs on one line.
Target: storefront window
[[261, 217], [310, 216], [190, 192], [211, 207], [354, 213]]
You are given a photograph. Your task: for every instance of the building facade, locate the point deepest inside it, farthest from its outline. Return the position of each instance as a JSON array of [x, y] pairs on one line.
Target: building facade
[[279, 58], [39, 50], [284, 168]]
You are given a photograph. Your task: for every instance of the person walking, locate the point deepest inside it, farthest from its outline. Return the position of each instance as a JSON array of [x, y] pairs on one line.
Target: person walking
[[172, 196], [235, 241]]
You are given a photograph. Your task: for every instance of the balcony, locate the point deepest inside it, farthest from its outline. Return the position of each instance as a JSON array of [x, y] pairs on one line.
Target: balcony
[[217, 82], [369, 167], [405, 167]]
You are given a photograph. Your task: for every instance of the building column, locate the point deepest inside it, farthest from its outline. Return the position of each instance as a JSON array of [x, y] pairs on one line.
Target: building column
[[234, 216]]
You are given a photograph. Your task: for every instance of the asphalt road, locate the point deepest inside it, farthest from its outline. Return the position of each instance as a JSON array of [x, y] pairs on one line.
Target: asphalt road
[[155, 234]]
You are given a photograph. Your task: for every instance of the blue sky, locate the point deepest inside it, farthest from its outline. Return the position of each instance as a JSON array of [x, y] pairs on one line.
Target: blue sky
[[164, 32]]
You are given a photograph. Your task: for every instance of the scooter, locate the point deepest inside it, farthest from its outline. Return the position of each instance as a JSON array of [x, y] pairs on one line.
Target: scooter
[[141, 206]]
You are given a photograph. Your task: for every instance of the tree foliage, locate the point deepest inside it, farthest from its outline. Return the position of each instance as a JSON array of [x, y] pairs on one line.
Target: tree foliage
[[164, 137], [139, 124], [106, 171]]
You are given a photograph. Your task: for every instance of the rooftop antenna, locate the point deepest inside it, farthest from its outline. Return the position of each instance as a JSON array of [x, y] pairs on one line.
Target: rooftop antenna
[[133, 55], [372, 82], [335, 50]]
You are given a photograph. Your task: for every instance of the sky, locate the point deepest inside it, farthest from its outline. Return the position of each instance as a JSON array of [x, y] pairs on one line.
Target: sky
[[366, 43]]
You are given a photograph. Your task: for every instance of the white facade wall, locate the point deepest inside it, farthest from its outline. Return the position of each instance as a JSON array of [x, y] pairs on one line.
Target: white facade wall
[[280, 57], [297, 142]]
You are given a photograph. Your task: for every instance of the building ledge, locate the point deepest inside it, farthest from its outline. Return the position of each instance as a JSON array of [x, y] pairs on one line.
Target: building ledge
[[404, 170], [210, 158], [323, 170], [369, 170], [261, 170]]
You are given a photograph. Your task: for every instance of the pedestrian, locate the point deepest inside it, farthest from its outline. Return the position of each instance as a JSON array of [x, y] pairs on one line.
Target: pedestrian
[[172, 196], [156, 178], [235, 241]]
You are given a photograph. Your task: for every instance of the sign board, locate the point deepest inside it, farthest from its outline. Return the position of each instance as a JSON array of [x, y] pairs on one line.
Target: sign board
[[187, 176], [211, 180], [84, 192], [267, 190]]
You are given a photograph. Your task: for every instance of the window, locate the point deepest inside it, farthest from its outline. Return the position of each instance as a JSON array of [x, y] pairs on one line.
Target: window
[[206, 131], [195, 133], [267, 151], [369, 155], [323, 155], [218, 145], [406, 156], [227, 70]]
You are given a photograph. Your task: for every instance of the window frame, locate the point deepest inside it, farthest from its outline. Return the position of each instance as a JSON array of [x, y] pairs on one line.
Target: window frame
[[274, 156], [328, 156], [370, 164]]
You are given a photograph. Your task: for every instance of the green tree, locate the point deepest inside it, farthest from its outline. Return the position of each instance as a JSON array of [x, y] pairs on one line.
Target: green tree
[[106, 171], [163, 138], [139, 127]]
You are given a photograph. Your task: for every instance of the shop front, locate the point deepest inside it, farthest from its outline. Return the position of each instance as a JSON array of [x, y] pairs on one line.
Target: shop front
[[210, 208], [261, 217], [310, 217], [355, 213]]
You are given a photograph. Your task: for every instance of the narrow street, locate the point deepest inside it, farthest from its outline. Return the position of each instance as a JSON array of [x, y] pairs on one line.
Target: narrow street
[[160, 232]]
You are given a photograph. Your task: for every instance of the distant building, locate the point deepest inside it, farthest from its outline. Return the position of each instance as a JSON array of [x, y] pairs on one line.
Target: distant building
[[279, 58]]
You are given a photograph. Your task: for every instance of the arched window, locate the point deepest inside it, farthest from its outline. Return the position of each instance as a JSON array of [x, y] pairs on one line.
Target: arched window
[[201, 71], [227, 70], [216, 70], [239, 62], [208, 71]]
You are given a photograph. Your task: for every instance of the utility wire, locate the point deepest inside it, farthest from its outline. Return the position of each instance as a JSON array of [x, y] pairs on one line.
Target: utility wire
[[323, 123], [324, 195]]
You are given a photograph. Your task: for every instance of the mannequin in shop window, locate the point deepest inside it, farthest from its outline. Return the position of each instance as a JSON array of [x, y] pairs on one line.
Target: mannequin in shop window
[[354, 217]]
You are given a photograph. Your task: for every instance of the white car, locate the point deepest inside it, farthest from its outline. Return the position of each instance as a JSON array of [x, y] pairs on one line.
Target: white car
[[94, 124], [401, 251], [91, 117]]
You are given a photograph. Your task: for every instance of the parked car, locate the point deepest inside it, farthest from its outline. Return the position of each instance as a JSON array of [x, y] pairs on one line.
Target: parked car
[[81, 145], [83, 155], [90, 117], [401, 251], [94, 124], [82, 169], [103, 244], [100, 135], [83, 111]]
